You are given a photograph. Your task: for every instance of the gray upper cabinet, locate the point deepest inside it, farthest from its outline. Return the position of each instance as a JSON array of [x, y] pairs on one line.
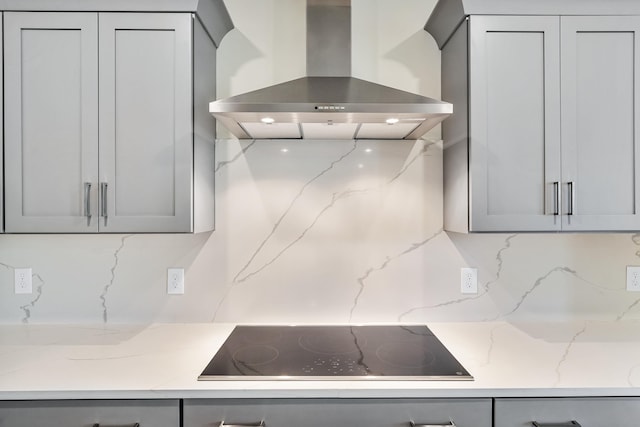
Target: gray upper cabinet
[[515, 123], [51, 122], [543, 135], [1, 145], [146, 145], [600, 122], [103, 129]]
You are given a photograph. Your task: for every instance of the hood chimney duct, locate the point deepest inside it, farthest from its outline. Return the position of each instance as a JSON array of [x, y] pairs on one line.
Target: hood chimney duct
[[329, 38]]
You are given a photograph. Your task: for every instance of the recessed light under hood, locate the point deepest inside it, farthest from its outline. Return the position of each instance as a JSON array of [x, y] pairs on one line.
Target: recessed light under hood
[[329, 103]]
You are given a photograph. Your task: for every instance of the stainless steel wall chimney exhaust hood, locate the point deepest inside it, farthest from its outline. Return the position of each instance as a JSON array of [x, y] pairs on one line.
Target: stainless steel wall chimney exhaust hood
[[329, 103]]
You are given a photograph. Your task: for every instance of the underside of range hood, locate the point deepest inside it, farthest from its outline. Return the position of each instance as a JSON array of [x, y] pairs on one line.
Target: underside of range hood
[[329, 108], [329, 104]]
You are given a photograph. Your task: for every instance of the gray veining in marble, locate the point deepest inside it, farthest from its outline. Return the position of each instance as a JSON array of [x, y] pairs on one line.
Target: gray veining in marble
[[566, 353], [403, 315], [536, 284], [492, 343], [361, 280], [630, 376], [424, 151], [469, 298], [240, 153], [499, 259], [622, 315], [105, 291], [28, 307], [7, 266], [238, 277], [635, 238]]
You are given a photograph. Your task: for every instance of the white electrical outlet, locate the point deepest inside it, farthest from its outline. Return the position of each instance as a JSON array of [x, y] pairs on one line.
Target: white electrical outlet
[[175, 281], [633, 278], [22, 281], [469, 280]]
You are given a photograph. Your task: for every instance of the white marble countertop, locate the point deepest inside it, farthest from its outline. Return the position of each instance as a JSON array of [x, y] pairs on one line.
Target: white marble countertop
[[164, 360]]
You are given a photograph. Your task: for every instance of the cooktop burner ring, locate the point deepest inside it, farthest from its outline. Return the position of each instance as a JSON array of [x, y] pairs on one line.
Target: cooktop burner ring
[[255, 355]]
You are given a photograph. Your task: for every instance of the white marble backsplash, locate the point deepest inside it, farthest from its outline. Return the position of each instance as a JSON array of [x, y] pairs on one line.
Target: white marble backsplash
[[322, 231]]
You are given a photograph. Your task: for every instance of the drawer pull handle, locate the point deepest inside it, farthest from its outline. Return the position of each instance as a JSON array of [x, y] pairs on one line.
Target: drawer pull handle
[[258, 424], [132, 425], [449, 424], [567, 424]]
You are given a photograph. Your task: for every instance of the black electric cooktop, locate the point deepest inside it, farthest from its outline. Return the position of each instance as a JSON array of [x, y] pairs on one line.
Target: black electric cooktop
[[377, 352]]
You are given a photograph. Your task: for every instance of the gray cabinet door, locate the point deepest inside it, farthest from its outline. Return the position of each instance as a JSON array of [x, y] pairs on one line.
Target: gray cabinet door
[[1, 145], [51, 122], [588, 412], [338, 412], [600, 122], [146, 137], [67, 413], [514, 125]]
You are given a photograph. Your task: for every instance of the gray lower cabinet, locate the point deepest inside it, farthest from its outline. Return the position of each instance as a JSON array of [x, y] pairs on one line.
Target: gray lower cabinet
[[338, 412], [100, 130], [89, 413], [563, 412], [544, 135]]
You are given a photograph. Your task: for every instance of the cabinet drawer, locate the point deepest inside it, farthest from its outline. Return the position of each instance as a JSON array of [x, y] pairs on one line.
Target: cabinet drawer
[[86, 413], [588, 412], [338, 412]]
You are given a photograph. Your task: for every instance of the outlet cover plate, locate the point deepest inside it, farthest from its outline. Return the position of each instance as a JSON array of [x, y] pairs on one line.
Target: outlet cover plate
[[22, 281], [175, 281], [633, 278], [469, 280]]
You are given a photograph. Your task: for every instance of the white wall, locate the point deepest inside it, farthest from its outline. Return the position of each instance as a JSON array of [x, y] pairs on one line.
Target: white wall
[[333, 231]]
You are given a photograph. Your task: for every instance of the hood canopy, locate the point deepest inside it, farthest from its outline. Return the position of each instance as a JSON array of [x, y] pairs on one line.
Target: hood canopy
[[329, 104]]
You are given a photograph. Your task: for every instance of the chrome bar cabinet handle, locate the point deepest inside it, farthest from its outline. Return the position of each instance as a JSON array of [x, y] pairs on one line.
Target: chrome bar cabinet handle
[[567, 424], [103, 201], [132, 425], [556, 198], [449, 424], [87, 202], [256, 424], [571, 197]]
